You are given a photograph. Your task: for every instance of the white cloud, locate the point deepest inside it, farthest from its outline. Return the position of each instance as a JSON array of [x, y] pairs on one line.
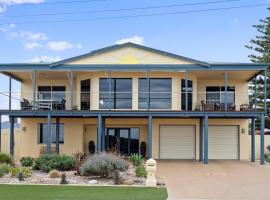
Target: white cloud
[[7, 28], [33, 36], [45, 59], [61, 45], [135, 39], [32, 45], [3, 8], [235, 20], [5, 3], [10, 2]]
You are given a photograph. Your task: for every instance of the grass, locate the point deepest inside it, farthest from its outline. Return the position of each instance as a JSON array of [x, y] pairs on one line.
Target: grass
[[45, 192]]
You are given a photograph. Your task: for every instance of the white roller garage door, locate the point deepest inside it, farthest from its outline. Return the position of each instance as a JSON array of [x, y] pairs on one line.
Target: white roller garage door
[[177, 142], [223, 142]]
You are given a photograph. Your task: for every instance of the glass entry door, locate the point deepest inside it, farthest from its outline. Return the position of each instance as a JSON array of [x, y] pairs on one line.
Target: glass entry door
[[125, 140]]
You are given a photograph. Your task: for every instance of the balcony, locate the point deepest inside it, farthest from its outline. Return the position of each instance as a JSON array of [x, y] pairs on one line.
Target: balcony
[[158, 101]]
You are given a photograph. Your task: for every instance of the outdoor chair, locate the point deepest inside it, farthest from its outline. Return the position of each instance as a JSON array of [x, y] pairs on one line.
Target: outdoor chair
[[246, 107], [25, 105], [207, 106], [59, 105]]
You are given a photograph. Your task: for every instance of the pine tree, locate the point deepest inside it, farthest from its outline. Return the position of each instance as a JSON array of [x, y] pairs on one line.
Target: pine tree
[[261, 45]]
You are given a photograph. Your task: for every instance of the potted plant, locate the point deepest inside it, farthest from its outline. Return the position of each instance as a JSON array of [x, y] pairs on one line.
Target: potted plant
[[143, 149], [91, 147]]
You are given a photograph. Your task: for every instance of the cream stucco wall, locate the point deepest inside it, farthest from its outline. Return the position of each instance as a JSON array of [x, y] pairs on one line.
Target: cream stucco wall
[[73, 136], [78, 132]]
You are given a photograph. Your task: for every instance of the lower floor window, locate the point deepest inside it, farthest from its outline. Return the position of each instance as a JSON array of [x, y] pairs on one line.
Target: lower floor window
[[43, 130], [125, 140]]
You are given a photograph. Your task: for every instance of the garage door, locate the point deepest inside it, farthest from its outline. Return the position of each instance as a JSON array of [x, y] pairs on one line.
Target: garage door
[[223, 142], [177, 142]]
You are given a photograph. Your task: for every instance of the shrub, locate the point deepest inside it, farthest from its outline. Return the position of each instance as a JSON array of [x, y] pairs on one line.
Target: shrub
[[54, 174], [4, 169], [47, 163], [5, 158], [136, 159], [63, 179], [140, 171], [103, 165], [26, 161], [26, 172], [79, 158]]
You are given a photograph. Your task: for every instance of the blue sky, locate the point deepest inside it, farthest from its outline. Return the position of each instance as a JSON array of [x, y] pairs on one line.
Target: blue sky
[[208, 36]]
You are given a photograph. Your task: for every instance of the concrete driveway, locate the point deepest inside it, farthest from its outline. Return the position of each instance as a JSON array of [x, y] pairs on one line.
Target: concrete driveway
[[233, 180]]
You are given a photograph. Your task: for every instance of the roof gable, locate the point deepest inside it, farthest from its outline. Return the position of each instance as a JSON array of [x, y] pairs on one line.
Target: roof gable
[[129, 53]]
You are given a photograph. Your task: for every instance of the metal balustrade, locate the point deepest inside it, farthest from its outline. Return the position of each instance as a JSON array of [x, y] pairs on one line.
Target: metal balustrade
[[196, 101]]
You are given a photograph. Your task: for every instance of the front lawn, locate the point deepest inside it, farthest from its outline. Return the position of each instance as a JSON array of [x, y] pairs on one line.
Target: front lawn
[[45, 192]]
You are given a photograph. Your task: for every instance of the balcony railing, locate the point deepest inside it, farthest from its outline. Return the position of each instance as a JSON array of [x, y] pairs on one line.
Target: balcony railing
[[196, 101]]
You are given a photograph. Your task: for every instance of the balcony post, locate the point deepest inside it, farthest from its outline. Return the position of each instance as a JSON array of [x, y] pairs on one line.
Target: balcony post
[[110, 89], [9, 96], [103, 134], [205, 139], [148, 89], [0, 133], [255, 85], [49, 132], [99, 138], [253, 139], [150, 136], [201, 139], [226, 89], [186, 91], [34, 85], [265, 91], [71, 89], [11, 142], [57, 135], [262, 138]]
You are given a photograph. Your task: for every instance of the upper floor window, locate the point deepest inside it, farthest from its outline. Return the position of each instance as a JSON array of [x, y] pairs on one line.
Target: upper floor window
[[121, 96], [85, 94], [216, 94], [160, 94], [189, 94], [43, 130], [54, 93]]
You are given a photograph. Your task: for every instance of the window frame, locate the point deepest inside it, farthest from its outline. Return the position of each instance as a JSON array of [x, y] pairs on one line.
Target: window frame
[[220, 92], [148, 94], [39, 138], [114, 94]]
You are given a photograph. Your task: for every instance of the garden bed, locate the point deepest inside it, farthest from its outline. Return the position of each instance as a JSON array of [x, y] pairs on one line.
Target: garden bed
[[124, 172]]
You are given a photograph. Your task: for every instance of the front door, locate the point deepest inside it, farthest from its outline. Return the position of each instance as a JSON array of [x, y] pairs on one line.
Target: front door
[[125, 140]]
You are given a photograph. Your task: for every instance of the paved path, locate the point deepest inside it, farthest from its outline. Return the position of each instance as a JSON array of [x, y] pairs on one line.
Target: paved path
[[228, 180]]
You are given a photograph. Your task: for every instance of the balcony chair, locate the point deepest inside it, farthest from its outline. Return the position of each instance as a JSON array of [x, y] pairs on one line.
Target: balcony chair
[[59, 105], [246, 107], [221, 107], [207, 106], [25, 105]]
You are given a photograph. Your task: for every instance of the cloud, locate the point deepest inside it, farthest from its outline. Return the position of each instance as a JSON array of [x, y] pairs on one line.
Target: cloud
[[33, 36], [32, 45], [235, 20], [135, 39], [7, 28], [61, 45], [5, 3], [45, 59]]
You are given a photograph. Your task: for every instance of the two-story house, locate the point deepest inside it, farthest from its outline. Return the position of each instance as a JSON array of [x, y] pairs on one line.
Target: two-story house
[[125, 95]]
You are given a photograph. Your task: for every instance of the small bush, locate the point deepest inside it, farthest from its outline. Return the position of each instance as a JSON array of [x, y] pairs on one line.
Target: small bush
[[47, 163], [5, 158], [20, 176], [136, 159], [79, 158], [103, 165], [4, 169], [54, 174], [24, 170], [140, 171], [26, 161], [63, 179]]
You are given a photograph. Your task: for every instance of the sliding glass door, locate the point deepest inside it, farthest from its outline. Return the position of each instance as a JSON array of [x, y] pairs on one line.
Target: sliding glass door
[[125, 140]]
